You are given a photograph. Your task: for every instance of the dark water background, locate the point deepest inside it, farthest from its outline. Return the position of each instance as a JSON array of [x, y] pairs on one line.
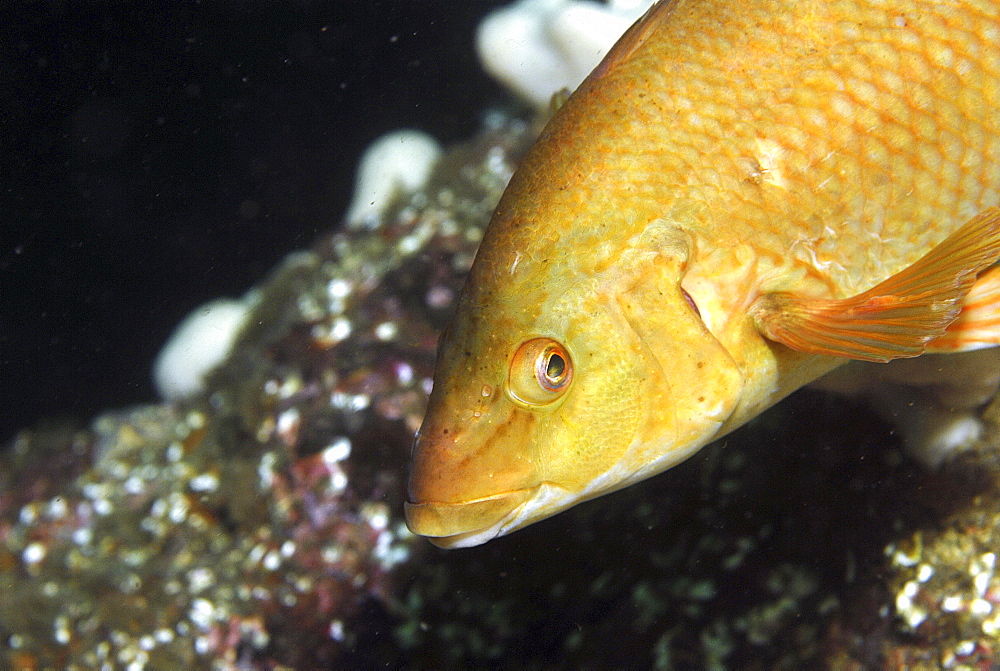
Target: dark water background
[[157, 155]]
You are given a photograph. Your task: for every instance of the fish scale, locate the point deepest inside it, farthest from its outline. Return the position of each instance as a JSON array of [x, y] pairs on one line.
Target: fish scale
[[706, 225]]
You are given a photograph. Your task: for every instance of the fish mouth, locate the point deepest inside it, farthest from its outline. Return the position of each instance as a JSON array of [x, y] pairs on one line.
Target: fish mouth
[[455, 525]]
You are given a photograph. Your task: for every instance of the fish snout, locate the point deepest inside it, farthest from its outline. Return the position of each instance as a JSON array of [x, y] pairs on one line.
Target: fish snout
[[462, 487]]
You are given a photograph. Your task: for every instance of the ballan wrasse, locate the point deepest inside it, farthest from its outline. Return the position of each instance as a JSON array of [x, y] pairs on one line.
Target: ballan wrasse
[[744, 195]]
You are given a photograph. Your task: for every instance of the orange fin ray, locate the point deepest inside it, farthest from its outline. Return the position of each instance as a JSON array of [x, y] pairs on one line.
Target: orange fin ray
[[899, 317], [978, 325]]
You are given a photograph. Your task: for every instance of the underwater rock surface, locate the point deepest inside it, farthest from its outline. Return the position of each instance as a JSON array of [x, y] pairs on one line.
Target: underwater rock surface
[[260, 524]]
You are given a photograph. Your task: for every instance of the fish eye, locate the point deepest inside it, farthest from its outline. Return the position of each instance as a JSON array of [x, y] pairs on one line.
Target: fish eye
[[540, 372]]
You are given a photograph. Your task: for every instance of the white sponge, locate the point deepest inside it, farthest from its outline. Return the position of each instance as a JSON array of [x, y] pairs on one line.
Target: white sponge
[[199, 343], [539, 47], [935, 400], [396, 162]]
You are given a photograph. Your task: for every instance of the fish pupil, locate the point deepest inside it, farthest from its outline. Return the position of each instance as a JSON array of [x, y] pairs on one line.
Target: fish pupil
[[555, 367]]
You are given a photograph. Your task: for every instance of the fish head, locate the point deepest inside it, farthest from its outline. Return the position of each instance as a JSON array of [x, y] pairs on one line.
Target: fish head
[[558, 389]]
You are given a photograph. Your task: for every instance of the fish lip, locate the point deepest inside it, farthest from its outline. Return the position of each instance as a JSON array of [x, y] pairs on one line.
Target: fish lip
[[461, 524]]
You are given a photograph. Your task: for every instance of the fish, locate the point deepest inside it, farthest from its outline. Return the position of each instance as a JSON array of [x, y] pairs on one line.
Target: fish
[[743, 196]]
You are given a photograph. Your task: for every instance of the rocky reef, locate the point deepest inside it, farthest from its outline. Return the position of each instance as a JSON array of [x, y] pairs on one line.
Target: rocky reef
[[258, 524]]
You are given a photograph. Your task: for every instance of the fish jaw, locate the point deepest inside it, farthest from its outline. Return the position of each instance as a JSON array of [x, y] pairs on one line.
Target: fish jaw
[[470, 523], [463, 525], [455, 525]]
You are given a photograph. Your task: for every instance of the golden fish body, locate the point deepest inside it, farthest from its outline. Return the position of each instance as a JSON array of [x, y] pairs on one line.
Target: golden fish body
[[728, 163]]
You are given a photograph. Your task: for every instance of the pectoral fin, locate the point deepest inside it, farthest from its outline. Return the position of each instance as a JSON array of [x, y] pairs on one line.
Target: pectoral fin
[[899, 317]]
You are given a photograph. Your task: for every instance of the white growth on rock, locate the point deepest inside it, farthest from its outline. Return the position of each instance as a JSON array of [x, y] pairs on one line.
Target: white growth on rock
[[539, 47], [395, 163], [934, 400], [199, 343]]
